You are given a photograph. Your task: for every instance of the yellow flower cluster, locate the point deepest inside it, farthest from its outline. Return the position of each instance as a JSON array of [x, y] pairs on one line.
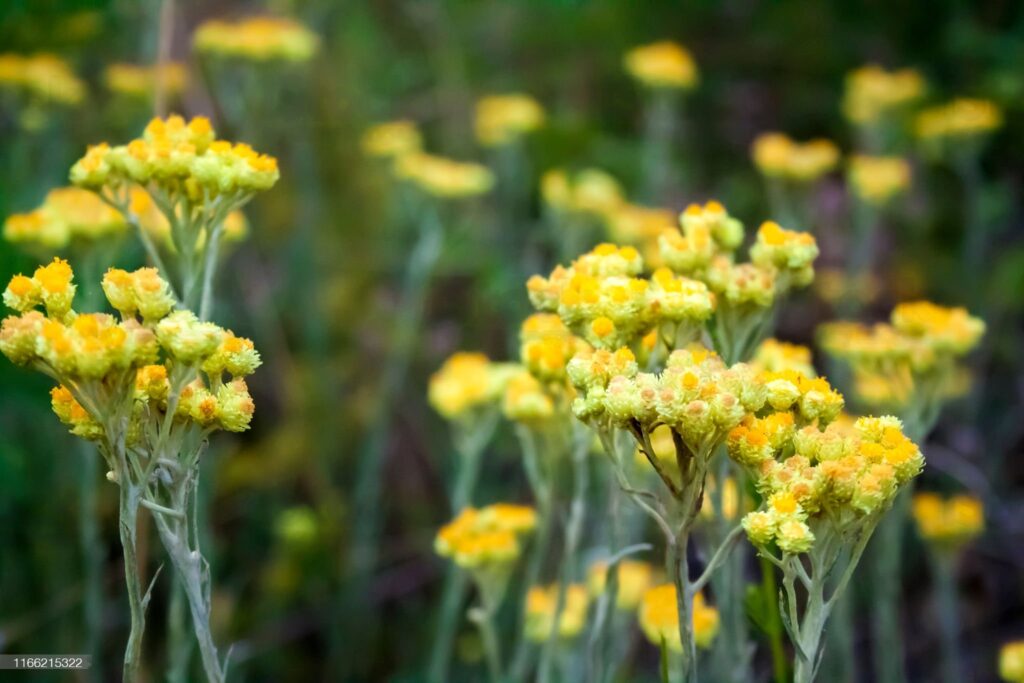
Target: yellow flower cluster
[[704, 233], [97, 358], [526, 400], [779, 356], [958, 120], [778, 156], [541, 602], [502, 119], [141, 82], [1011, 662], [182, 156], [486, 539], [43, 77], [697, 395], [810, 399], [599, 299], [837, 478], [547, 346], [66, 214], [921, 336], [659, 619], [948, 522], [876, 180], [442, 177], [467, 382], [589, 192], [257, 39], [634, 579], [872, 92], [392, 139], [664, 64]]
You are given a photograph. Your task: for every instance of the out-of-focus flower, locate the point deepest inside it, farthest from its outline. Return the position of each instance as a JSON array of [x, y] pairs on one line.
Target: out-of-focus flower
[[949, 522], [43, 77], [590, 192], [257, 39], [67, 213], [444, 178], [876, 180], [659, 618], [141, 82], [1011, 662], [834, 285], [392, 139], [634, 579], [487, 539], [732, 505], [526, 401], [541, 602], [467, 382], [297, 526], [641, 227], [872, 92], [777, 155], [961, 119], [779, 356], [664, 64], [502, 119]]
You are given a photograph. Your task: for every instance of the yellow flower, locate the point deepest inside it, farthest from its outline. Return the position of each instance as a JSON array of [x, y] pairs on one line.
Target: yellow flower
[[1011, 662], [876, 180], [662, 65], [441, 177], [485, 539], [960, 119], [872, 92], [773, 355], [659, 618], [257, 39], [634, 578], [778, 156], [525, 400], [589, 192], [501, 119], [948, 522], [467, 381], [43, 77], [541, 602], [392, 139], [67, 213], [133, 80]]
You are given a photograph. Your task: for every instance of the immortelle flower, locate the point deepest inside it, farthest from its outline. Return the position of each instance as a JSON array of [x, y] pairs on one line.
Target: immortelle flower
[[960, 119], [1011, 662], [141, 82], [466, 382], [148, 387], [43, 78], [66, 214], [257, 39], [588, 192], [441, 177], [503, 119], [659, 619], [641, 227], [872, 92], [541, 603], [948, 523], [634, 579], [825, 489], [774, 355], [777, 155], [392, 139], [664, 64], [876, 180]]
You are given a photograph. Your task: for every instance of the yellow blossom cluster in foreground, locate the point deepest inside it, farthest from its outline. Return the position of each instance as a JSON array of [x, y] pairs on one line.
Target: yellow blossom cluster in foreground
[[659, 618], [258, 39], [42, 77], [662, 65], [949, 522], [98, 358], [779, 156]]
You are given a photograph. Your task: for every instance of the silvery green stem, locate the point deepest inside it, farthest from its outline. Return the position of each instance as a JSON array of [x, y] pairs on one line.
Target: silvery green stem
[[483, 616], [573, 531], [677, 566], [209, 270], [92, 556], [949, 615], [887, 635], [128, 523], [179, 639]]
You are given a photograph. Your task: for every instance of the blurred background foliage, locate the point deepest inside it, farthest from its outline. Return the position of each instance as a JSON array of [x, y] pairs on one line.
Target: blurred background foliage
[[317, 285]]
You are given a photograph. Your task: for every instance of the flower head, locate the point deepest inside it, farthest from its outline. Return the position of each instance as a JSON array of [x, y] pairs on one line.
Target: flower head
[[392, 139], [441, 177], [876, 180], [961, 119], [141, 82], [501, 119], [257, 39], [779, 156], [634, 579], [948, 522], [659, 618], [663, 64], [872, 92], [541, 603], [467, 382]]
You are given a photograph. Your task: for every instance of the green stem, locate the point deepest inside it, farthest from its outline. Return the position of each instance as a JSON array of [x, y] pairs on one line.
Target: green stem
[[677, 565], [128, 523], [659, 130], [769, 596], [92, 556], [949, 615], [179, 642], [483, 617], [885, 585], [455, 587]]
